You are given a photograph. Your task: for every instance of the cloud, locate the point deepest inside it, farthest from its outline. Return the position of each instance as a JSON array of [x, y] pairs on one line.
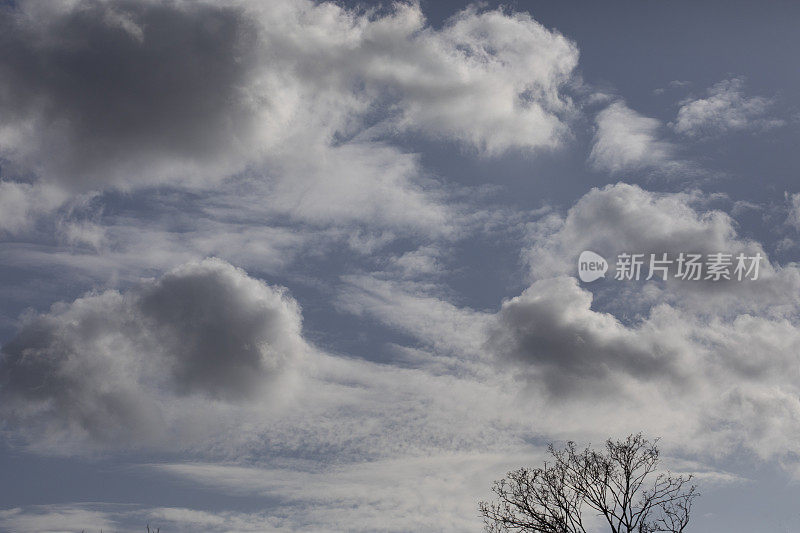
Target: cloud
[[435, 492], [552, 363], [225, 332], [55, 519], [111, 366], [724, 110], [617, 357], [301, 98], [656, 350], [793, 219], [627, 141], [489, 79], [106, 238], [126, 93], [594, 373], [357, 183], [208, 360], [267, 132], [400, 494], [551, 330], [626, 218], [22, 203], [417, 309], [424, 261]]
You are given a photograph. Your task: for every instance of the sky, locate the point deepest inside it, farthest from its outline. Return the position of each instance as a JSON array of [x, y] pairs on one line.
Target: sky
[[296, 265]]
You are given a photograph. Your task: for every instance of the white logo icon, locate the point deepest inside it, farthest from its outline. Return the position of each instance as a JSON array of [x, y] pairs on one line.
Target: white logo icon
[[591, 266]]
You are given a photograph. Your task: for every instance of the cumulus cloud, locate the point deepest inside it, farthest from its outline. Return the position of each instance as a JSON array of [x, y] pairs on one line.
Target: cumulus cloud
[[570, 349], [624, 218], [657, 370], [125, 93], [109, 365], [714, 382], [491, 80], [626, 140], [225, 332], [302, 95], [657, 349], [725, 109]]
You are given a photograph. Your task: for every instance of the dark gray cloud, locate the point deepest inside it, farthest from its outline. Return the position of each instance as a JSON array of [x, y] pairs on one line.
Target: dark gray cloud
[[69, 371], [560, 343], [225, 333], [105, 364], [123, 91]]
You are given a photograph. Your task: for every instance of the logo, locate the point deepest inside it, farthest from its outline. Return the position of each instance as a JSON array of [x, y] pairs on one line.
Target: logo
[[665, 266], [591, 266]]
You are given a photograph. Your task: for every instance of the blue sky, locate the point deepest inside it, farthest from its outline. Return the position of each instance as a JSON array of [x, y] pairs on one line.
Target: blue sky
[[312, 266]]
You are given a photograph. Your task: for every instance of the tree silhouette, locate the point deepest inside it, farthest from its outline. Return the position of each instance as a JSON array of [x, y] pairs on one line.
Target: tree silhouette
[[620, 484]]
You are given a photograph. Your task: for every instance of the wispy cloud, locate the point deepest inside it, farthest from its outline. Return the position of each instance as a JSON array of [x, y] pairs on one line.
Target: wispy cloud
[[626, 141], [725, 109]]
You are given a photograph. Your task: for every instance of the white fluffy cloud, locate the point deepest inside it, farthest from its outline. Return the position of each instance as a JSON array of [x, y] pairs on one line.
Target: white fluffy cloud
[[115, 367], [725, 109], [626, 218], [491, 80], [627, 141]]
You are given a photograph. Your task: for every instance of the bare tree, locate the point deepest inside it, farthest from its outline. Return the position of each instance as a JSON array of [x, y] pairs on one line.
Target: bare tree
[[620, 484]]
